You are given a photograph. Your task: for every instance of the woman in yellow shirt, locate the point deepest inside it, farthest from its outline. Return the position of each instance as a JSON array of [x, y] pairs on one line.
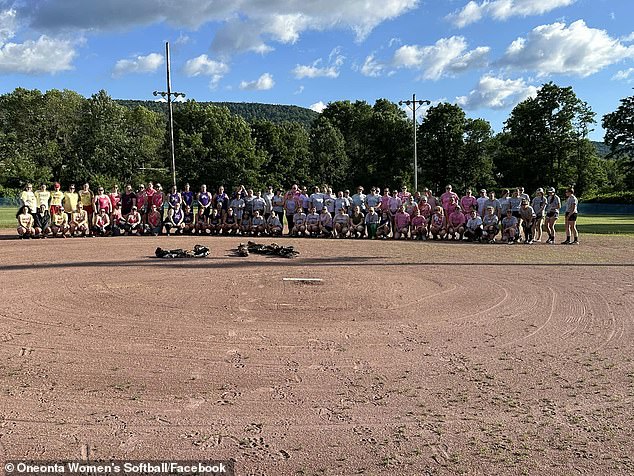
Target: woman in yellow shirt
[[25, 222], [79, 222]]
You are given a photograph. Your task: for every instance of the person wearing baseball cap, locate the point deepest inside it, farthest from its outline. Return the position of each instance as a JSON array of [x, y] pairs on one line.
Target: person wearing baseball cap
[[57, 196], [553, 204]]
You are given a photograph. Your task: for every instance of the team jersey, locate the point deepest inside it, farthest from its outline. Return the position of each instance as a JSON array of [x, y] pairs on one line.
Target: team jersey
[[103, 201], [474, 223], [358, 200], [149, 192], [325, 219], [404, 196], [273, 222], [222, 199], [312, 218], [257, 221], [173, 199], [411, 208], [56, 198], [230, 219], [509, 222], [457, 218], [141, 199], [258, 204], [177, 216], [278, 204], [446, 197], [495, 203], [571, 204], [70, 201], [467, 203], [425, 209], [28, 198], [481, 201], [329, 203], [290, 205], [157, 199], [317, 201], [60, 219], [527, 213], [490, 220], [418, 221], [402, 220], [385, 221], [373, 200], [102, 221], [86, 197], [25, 220], [80, 217], [204, 198], [188, 197], [372, 218], [515, 202], [505, 204], [539, 204], [299, 218], [134, 217], [154, 219], [341, 219], [341, 202], [115, 198], [437, 220], [554, 204], [188, 218], [393, 204], [42, 198]]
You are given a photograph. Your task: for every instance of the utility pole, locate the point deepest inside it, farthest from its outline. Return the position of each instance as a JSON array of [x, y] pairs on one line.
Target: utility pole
[[168, 94], [413, 104]]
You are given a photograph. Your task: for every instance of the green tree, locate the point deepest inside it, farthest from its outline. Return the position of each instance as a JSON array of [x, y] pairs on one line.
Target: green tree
[[286, 152], [619, 135], [330, 162], [215, 147], [454, 149], [544, 136]]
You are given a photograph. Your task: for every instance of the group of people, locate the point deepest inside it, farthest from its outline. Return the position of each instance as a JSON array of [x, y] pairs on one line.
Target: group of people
[[397, 214]]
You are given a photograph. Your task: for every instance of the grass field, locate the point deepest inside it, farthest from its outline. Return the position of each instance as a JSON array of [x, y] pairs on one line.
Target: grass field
[[587, 224]]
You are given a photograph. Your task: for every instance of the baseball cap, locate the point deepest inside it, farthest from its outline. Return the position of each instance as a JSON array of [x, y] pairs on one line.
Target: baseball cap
[[484, 190], [540, 190], [551, 190]]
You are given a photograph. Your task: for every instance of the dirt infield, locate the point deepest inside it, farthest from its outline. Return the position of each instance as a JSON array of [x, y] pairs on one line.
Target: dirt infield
[[406, 359]]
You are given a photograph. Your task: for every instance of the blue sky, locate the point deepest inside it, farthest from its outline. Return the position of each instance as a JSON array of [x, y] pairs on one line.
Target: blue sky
[[486, 55]]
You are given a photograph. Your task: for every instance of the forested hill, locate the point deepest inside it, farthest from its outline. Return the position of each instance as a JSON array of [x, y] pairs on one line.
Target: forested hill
[[248, 110]]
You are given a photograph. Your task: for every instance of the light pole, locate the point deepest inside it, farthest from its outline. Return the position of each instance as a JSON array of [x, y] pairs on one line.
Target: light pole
[[413, 104], [168, 94]]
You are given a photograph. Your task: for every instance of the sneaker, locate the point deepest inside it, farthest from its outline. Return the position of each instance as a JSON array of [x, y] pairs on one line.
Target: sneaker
[[567, 242], [575, 242]]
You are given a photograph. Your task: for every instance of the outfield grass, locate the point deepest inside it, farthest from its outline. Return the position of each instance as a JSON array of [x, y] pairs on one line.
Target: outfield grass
[[590, 224]]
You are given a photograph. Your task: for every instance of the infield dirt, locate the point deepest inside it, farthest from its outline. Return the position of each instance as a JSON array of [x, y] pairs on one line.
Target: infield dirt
[[406, 359]]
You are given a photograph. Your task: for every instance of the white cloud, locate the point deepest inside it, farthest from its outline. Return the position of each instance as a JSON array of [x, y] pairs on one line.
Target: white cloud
[[624, 75], [446, 56], [497, 93], [7, 25], [263, 83], [503, 9], [629, 38], [556, 49], [204, 66], [318, 106], [316, 70], [371, 67], [44, 55], [245, 25], [139, 64], [182, 39], [299, 90]]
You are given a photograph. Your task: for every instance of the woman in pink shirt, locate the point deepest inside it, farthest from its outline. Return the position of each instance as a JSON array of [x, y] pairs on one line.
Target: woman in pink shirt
[[445, 198], [468, 203], [419, 226], [115, 197], [455, 224], [401, 222], [438, 225]]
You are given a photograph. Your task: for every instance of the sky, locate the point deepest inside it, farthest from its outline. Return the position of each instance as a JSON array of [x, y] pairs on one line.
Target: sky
[[485, 55]]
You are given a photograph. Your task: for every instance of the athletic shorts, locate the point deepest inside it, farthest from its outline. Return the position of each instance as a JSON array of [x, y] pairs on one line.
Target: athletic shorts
[[571, 217], [539, 217], [88, 208], [552, 214]]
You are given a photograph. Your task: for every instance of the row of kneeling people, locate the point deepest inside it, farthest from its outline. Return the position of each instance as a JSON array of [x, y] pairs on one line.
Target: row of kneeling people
[[354, 224]]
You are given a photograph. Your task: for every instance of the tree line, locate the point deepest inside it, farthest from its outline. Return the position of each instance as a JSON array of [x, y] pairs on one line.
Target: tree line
[[63, 136]]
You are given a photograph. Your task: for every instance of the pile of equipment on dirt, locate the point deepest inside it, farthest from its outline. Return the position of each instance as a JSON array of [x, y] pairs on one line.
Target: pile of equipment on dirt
[[199, 251], [273, 249]]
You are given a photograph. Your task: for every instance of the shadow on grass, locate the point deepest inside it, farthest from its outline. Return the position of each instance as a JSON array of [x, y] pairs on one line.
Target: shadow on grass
[[244, 263]]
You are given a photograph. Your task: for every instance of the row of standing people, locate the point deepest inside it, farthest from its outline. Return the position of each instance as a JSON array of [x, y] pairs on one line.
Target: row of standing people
[[213, 208]]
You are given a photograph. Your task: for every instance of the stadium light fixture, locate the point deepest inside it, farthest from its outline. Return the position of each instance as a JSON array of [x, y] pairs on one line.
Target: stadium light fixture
[[168, 95], [414, 104]]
